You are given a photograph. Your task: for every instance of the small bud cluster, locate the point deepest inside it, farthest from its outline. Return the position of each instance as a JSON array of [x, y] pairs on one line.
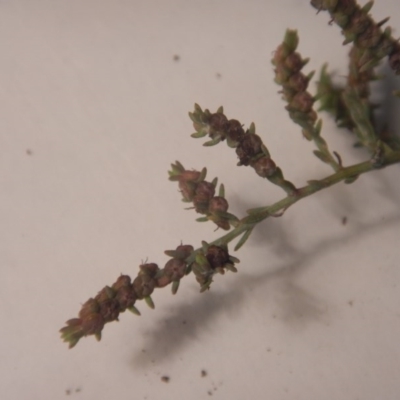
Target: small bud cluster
[[249, 146], [288, 65], [211, 260], [358, 27], [123, 294], [197, 190], [216, 126]]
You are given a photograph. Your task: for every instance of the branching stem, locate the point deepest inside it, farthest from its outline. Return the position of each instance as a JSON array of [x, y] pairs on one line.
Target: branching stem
[[314, 186]]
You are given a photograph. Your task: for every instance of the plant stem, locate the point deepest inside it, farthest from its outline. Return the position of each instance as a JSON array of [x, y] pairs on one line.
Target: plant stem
[[314, 186]]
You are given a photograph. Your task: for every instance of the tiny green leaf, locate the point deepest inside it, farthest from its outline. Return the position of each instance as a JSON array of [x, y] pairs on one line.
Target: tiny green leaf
[[149, 301], [212, 142], [322, 156], [243, 239], [175, 287], [221, 192], [199, 134]]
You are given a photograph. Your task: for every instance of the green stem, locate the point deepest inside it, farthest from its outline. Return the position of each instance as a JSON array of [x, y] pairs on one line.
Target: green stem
[[313, 187]]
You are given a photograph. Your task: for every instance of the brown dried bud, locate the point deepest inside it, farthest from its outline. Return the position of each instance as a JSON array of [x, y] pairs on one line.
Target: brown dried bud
[[218, 203], [149, 269], [280, 54], [302, 102], [298, 82], [90, 307], [189, 176], [249, 147], [126, 297], [184, 251], [264, 167], [122, 281], [109, 310], [143, 286], [163, 281], [175, 269], [187, 189], [105, 294], [234, 130], [204, 191], [218, 122], [92, 324], [217, 256], [293, 62]]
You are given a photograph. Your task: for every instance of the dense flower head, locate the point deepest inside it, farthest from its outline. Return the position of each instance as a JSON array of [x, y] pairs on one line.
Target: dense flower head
[[122, 295], [359, 27], [194, 188], [211, 260]]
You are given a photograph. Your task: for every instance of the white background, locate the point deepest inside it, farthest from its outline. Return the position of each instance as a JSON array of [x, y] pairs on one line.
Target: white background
[[93, 109]]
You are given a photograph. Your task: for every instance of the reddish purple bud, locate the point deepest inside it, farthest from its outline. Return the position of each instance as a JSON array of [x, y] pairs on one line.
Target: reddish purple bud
[[302, 102], [218, 122], [175, 269], [293, 62], [109, 310], [163, 281], [234, 130], [298, 82], [217, 256], [205, 191], [264, 167], [218, 203], [126, 297], [249, 147], [184, 251], [143, 286]]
